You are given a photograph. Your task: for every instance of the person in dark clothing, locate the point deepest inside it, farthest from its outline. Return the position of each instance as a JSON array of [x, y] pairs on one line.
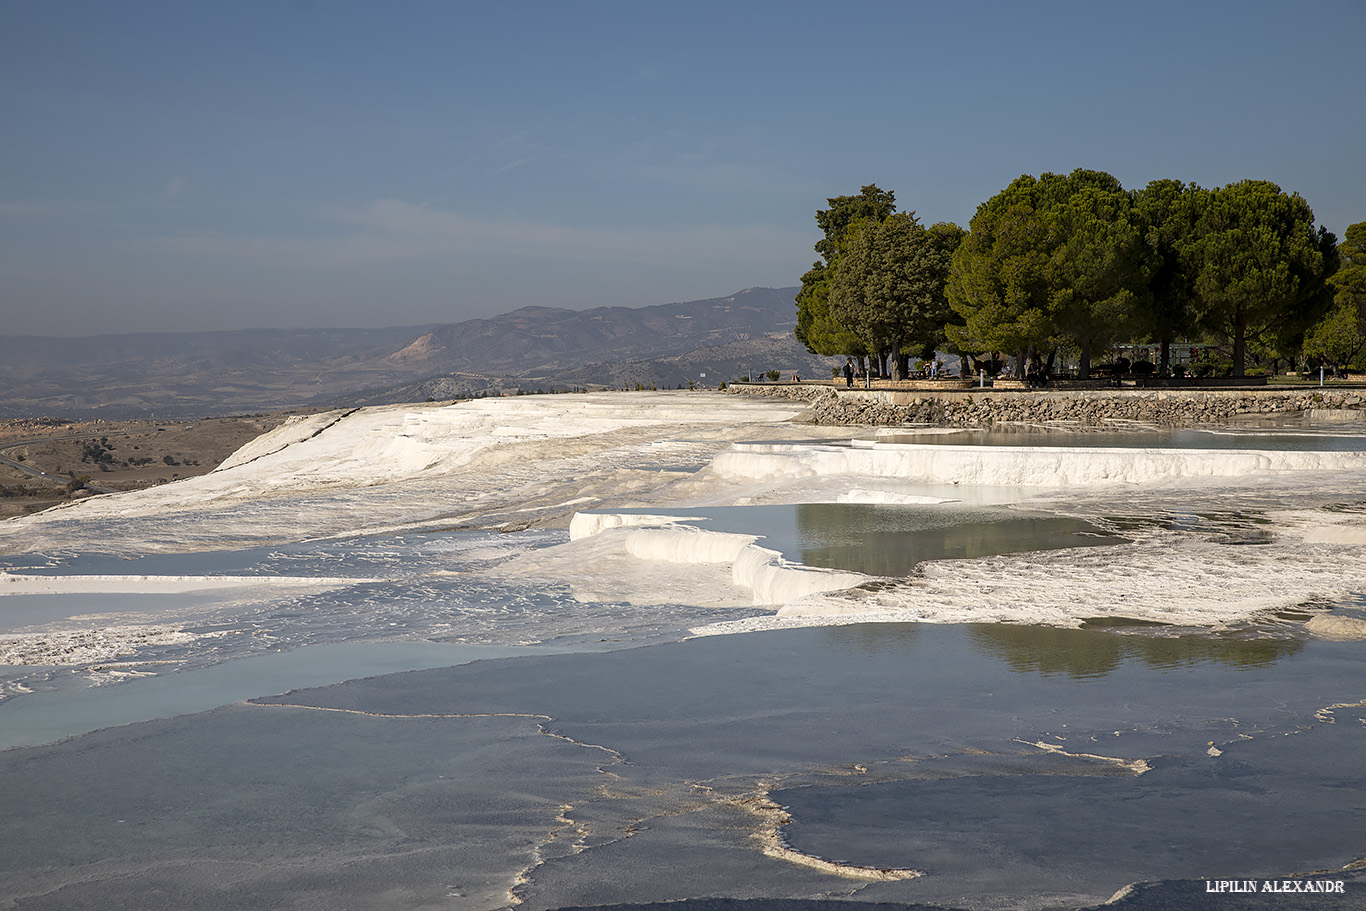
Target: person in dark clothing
[[848, 371]]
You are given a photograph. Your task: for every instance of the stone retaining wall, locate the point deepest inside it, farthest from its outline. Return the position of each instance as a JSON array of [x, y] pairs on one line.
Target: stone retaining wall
[[835, 405]]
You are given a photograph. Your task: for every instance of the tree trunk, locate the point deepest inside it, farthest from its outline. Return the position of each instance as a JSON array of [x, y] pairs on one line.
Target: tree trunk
[[1084, 362], [1164, 358], [1239, 342]]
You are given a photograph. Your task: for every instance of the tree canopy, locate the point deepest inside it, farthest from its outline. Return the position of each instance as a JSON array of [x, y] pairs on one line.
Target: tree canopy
[[1058, 259], [817, 329], [1099, 267], [871, 204], [1166, 212], [1257, 264], [1074, 262], [996, 278], [889, 287], [1340, 339]]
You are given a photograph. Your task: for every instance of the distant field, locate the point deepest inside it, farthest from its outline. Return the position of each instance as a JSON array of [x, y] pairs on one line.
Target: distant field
[[119, 455]]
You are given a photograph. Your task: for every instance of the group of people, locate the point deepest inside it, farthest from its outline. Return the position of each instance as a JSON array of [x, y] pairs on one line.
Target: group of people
[[930, 370]]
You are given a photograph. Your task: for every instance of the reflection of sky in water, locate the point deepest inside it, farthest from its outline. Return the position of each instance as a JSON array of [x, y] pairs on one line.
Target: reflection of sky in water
[[379, 555], [20, 611], [959, 730], [430, 588], [61, 714], [1178, 820], [903, 746]]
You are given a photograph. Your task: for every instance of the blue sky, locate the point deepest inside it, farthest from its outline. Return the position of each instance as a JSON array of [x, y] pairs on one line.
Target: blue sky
[[194, 165]]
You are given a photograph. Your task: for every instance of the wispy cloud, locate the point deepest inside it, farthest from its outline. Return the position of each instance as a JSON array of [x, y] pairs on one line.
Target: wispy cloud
[[516, 150], [430, 231], [510, 165], [389, 231], [722, 163], [508, 140]]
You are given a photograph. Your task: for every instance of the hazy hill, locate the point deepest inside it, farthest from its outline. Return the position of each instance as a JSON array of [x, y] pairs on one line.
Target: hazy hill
[[534, 341], [705, 366], [190, 374], [212, 373], [29, 357]]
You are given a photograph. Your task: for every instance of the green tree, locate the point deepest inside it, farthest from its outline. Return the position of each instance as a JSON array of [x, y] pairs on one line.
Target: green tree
[[1258, 265], [816, 328], [871, 204], [996, 278], [1340, 338], [889, 289], [1167, 211], [1284, 339], [1352, 254], [1049, 261], [1099, 265]]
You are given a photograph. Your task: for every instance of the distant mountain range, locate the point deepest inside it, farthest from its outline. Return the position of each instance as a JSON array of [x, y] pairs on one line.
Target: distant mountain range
[[200, 374]]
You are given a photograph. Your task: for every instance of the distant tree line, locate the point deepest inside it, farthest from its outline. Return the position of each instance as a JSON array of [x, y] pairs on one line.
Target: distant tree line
[[1074, 264]]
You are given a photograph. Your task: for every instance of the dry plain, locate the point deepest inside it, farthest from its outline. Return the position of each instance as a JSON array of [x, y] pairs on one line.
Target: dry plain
[[114, 455]]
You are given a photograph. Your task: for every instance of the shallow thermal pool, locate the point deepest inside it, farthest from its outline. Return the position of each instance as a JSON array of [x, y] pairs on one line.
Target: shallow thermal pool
[[1281, 440], [517, 730], [891, 539]]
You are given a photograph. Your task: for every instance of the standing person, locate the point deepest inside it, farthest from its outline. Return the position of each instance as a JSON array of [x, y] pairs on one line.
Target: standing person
[[849, 372]]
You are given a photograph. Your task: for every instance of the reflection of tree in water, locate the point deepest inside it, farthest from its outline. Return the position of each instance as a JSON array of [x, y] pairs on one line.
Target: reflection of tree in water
[[1094, 653], [885, 540]]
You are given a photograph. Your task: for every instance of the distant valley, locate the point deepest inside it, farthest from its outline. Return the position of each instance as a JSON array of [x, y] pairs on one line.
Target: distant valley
[[201, 374]]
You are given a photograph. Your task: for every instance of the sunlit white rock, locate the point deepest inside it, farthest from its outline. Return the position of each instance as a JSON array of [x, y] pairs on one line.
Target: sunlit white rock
[[532, 461], [1015, 466], [764, 573]]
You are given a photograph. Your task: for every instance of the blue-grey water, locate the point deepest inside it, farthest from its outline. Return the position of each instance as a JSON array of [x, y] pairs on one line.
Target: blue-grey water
[[1008, 768], [437, 734]]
